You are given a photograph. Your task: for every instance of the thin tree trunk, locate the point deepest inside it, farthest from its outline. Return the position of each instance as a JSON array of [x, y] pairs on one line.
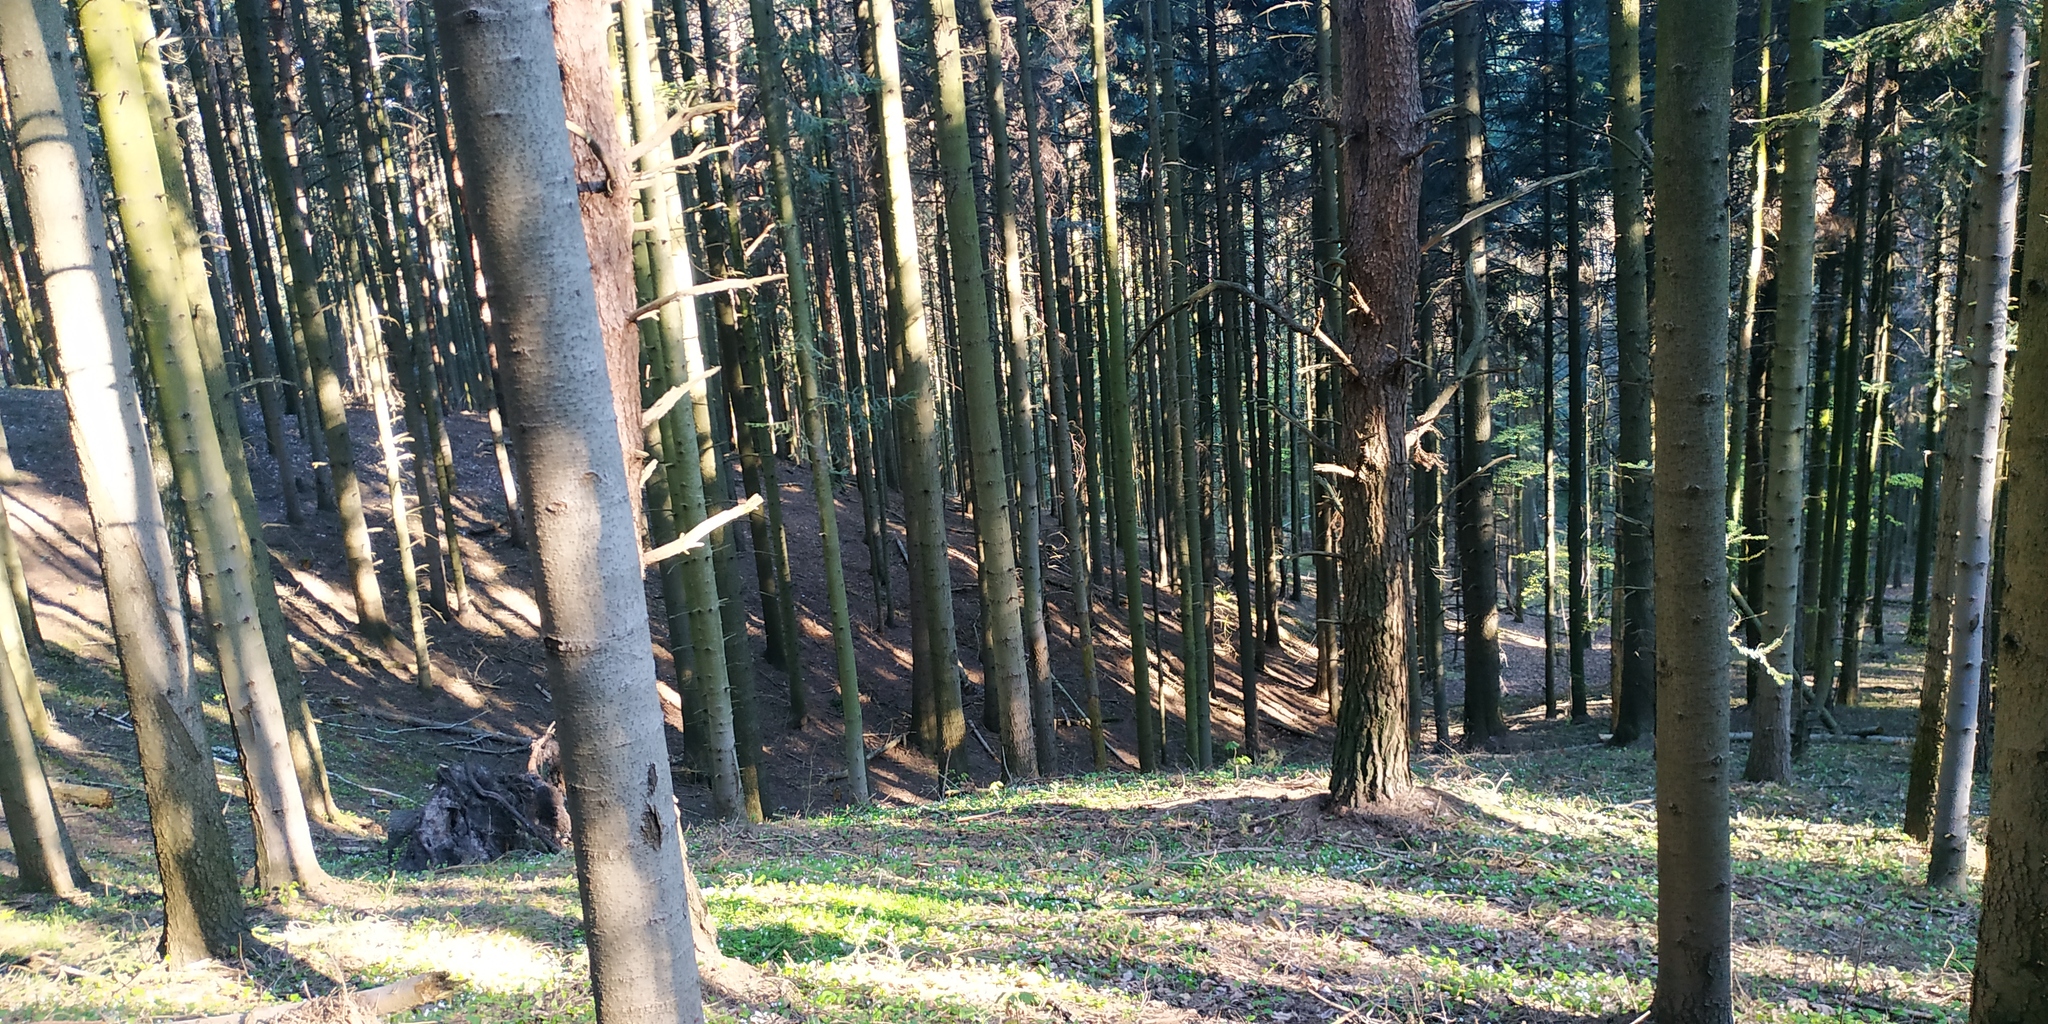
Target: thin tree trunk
[[1115, 406], [1022, 395], [1008, 674], [262, 26], [1995, 202], [1578, 475], [1060, 422], [1635, 637], [1770, 751], [1479, 573], [774, 99], [943, 724]]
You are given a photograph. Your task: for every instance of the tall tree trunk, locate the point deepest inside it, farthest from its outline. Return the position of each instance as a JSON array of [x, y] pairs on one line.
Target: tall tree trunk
[[1329, 269], [195, 863], [1380, 122], [774, 101], [507, 102], [1691, 384], [942, 725], [1578, 407], [1060, 426], [263, 30], [1007, 675], [1480, 587], [1866, 512], [1115, 406], [1994, 200], [712, 727], [2011, 983], [1022, 396], [220, 535], [1635, 636], [1770, 749]]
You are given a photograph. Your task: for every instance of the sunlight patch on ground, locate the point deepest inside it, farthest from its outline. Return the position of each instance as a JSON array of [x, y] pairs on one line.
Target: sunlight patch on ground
[[486, 959]]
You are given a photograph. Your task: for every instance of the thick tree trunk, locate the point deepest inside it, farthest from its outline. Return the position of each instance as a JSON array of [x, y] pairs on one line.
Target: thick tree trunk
[[1770, 752], [1380, 123], [506, 97], [1994, 201], [1691, 384]]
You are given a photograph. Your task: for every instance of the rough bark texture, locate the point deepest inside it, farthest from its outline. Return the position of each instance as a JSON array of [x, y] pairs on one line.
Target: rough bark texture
[[1381, 141], [583, 32], [1691, 388], [1994, 201], [2011, 985], [507, 103], [1770, 751]]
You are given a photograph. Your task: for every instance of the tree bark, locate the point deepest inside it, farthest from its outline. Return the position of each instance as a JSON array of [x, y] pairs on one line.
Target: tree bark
[[507, 102], [1635, 636], [1690, 392], [1770, 753], [774, 100], [1381, 144], [1116, 410], [202, 899], [2011, 983], [942, 724], [1994, 199], [1007, 674], [219, 534], [1474, 497]]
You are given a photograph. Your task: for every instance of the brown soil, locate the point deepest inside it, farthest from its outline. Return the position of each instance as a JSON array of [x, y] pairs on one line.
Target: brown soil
[[487, 661]]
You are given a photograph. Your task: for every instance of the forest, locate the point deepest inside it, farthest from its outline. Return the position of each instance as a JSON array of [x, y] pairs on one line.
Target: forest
[[1140, 511]]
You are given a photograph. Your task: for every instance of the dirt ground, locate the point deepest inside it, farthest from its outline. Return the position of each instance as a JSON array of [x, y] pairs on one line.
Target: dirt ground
[[487, 664]]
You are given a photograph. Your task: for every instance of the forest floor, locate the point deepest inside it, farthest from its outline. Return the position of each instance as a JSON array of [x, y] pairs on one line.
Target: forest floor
[[1520, 888]]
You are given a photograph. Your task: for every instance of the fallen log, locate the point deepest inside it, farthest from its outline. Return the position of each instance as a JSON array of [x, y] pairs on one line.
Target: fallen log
[[84, 796]]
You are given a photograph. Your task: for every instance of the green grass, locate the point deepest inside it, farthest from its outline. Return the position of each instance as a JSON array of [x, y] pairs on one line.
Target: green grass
[[1529, 895]]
